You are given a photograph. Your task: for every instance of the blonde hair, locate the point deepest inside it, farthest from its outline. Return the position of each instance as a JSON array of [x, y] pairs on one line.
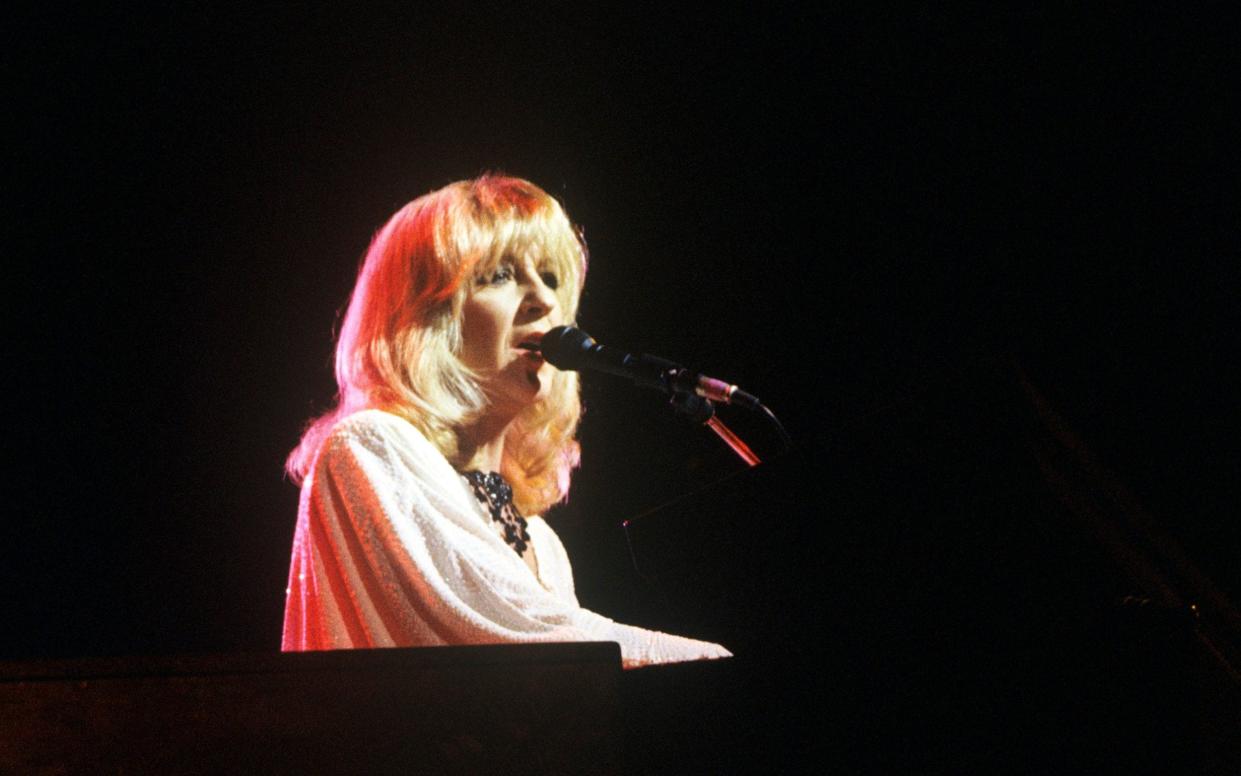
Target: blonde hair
[[400, 339]]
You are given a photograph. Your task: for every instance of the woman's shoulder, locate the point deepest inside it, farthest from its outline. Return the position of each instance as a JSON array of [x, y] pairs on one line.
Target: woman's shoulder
[[373, 421], [375, 428]]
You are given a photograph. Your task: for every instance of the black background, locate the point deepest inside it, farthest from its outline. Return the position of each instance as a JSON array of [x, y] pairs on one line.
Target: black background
[[839, 211]]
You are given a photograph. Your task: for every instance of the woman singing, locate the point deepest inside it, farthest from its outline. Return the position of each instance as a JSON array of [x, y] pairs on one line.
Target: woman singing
[[418, 522]]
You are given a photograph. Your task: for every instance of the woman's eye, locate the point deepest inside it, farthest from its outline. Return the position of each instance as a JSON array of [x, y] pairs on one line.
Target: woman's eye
[[550, 280], [500, 276]]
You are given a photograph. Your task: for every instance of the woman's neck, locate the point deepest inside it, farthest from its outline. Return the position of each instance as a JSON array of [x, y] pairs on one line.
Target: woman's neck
[[481, 444]]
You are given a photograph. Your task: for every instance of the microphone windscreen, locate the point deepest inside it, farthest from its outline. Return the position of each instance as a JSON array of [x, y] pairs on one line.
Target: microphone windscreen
[[566, 347]]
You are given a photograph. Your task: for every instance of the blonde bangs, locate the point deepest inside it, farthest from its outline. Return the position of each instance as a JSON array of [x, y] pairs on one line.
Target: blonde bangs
[[546, 233]]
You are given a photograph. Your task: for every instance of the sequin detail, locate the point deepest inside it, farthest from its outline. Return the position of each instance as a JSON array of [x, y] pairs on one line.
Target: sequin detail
[[496, 495]]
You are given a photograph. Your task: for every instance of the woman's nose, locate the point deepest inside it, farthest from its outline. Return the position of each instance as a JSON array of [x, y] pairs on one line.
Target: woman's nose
[[540, 299]]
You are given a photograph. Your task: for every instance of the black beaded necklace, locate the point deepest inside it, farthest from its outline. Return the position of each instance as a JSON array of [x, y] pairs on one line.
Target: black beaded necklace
[[493, 492]]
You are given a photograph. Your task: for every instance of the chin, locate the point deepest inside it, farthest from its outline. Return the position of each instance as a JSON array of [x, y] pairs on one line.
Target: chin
[[541, 385], [522, 392]]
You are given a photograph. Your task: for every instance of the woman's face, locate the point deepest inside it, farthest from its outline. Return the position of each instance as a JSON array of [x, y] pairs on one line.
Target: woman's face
[[513, 305]]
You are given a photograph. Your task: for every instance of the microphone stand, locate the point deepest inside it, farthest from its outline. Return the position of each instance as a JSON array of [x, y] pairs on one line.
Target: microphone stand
[[689, 393], [732, 440], [700, 410]]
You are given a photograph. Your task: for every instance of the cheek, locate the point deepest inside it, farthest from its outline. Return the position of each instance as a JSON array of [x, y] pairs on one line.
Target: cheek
[[482, 328]]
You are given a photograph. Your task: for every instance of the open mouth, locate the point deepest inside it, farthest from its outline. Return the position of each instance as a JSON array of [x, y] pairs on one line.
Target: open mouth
[[531, 351]]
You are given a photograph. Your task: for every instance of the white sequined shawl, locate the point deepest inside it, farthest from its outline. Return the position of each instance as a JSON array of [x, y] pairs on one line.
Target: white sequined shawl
[[393, 549]]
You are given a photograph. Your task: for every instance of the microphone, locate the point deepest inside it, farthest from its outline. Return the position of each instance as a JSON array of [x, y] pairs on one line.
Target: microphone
[[566, 347]]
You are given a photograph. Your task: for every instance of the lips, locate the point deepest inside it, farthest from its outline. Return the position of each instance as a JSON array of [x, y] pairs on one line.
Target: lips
[[530, 342]]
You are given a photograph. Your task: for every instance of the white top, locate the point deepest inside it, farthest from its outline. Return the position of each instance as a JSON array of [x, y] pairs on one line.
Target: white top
[[392, 549]]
